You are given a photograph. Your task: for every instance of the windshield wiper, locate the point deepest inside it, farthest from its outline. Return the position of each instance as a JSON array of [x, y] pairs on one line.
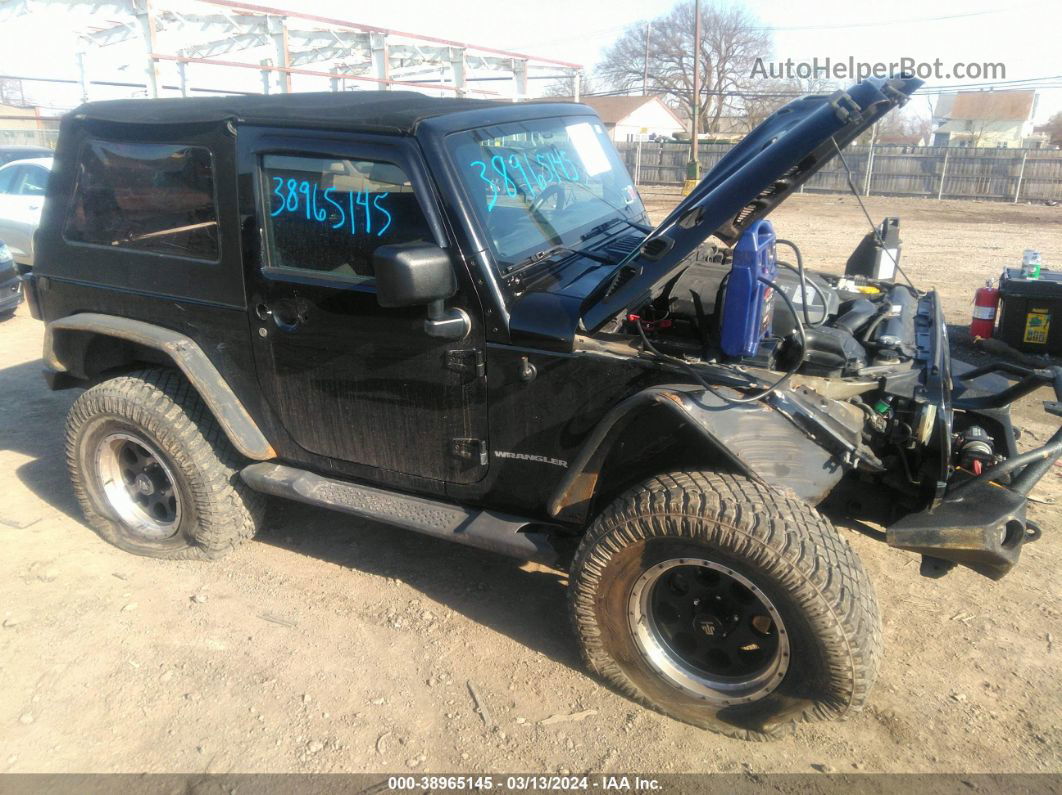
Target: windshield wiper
[[643, 228], [602, 227], [552, 251]]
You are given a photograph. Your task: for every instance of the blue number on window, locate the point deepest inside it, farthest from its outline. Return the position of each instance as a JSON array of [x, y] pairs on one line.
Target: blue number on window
[[363, 201], [339, 208], [304, 189], [291, 204], [289, 192], [376, 203], [278, 183]]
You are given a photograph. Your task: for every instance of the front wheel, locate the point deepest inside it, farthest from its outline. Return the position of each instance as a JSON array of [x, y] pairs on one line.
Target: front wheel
[[725, 605]]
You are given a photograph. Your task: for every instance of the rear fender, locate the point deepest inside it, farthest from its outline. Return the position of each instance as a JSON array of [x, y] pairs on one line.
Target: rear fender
[[67, 342], [753, 438]]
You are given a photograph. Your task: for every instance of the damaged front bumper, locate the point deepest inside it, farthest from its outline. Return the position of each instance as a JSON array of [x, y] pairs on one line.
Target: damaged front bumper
[[980, 522]]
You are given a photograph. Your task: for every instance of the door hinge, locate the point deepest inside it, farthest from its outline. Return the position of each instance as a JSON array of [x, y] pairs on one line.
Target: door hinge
[[470, 450], [470, 362]]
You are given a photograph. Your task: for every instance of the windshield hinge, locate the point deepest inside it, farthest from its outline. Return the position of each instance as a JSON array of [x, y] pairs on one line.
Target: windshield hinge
[[470, 450], [470, 362]]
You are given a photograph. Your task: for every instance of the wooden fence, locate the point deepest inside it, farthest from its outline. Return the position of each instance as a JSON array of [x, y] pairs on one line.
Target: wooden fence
[[927, 171]]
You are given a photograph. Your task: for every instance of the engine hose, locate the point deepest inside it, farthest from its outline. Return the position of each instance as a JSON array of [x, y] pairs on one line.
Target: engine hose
[[804, 285], [877, 321]]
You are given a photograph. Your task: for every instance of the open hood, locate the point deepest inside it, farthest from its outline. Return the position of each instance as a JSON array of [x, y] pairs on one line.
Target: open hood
[[752, 179]]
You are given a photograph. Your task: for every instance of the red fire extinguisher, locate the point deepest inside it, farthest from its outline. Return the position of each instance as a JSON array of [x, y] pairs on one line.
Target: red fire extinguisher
[[984, 311]]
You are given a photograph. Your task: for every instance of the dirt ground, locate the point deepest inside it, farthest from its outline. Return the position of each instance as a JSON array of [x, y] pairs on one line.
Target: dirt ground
[[330, 644]]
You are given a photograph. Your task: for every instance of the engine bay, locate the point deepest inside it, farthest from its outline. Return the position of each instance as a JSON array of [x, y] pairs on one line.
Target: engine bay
[[856, 353], [850, 323]]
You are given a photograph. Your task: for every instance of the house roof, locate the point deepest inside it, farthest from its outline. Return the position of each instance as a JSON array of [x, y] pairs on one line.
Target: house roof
[[613, 110], [987, 106]]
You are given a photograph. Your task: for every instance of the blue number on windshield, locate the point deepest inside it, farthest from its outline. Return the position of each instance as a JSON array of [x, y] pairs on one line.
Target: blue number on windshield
[[483, 176], [514, 161], [516, 173], [544, 161], [510, 186]]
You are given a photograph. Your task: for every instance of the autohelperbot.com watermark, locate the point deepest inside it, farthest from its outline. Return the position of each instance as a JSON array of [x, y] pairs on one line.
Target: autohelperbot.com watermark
[[849, 68]]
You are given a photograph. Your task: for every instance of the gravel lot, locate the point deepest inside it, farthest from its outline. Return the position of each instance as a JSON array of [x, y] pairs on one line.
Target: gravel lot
[[330, 644]]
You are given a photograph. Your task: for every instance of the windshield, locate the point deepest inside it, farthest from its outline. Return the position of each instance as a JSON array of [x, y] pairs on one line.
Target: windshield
[[543, 183]]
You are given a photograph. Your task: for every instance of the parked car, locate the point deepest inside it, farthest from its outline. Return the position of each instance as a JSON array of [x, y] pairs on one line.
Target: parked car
[[22, 187], [10, 283], [453, 316], [15, 152]]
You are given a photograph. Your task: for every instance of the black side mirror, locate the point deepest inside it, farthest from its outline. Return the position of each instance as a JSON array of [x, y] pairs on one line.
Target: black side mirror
[[420, 274], [412, 275]]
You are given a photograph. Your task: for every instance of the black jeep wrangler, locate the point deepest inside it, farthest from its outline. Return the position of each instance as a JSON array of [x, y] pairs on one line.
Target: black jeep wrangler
[[452, 316]]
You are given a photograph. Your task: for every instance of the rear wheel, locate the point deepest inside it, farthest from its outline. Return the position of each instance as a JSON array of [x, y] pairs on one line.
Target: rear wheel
[[726, 605], [153, 471]]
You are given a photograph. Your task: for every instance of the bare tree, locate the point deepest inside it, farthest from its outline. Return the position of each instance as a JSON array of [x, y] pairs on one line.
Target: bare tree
[[755, 100], [1054, 128], [731, 41], [562, 87]]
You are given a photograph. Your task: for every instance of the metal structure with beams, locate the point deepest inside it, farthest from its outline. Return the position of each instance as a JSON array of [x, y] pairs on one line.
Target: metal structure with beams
[[282, 45]]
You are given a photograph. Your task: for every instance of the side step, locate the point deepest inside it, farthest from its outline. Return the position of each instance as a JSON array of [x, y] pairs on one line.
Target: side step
[[483, 529]]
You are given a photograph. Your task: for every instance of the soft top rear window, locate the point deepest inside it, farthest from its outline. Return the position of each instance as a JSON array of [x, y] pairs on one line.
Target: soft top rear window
[[153, 197]]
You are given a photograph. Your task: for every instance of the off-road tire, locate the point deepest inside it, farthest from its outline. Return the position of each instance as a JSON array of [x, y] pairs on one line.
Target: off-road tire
[[161, 407], [783, 546]]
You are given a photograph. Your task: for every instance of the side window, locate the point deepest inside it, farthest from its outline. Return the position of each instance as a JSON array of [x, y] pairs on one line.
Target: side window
[[7, 178], [327, 215], [33, 182], [146, 197]]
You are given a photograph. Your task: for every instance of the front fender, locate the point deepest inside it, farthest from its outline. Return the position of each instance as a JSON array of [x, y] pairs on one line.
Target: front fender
[[757, 440]]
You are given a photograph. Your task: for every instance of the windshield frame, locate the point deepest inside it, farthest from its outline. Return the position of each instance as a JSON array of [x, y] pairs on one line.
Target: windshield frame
[[505, 263]]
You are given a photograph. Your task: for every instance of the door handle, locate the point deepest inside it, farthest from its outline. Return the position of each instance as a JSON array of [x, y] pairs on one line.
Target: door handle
[[281, 319]]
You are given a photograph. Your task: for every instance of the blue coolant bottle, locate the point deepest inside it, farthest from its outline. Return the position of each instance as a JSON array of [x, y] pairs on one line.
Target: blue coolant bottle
[[747, 302]]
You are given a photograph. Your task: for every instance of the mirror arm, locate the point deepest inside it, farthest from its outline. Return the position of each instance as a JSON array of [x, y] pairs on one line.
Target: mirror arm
[[447, 324]]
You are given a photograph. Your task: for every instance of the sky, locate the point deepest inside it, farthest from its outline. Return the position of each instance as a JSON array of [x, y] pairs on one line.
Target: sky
[[1022, 35]]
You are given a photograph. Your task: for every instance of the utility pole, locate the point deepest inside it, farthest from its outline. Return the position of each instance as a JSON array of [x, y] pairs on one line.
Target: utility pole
[[146, 17], [693, 168], [645, 63]]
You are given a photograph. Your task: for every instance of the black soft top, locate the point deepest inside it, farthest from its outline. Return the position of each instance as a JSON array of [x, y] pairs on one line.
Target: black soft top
[[373, 111]]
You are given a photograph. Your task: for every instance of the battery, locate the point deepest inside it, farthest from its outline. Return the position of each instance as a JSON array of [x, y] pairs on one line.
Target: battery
[[1030, 311]]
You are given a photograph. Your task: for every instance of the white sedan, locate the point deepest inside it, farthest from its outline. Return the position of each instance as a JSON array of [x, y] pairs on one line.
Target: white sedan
[[22, 187]]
